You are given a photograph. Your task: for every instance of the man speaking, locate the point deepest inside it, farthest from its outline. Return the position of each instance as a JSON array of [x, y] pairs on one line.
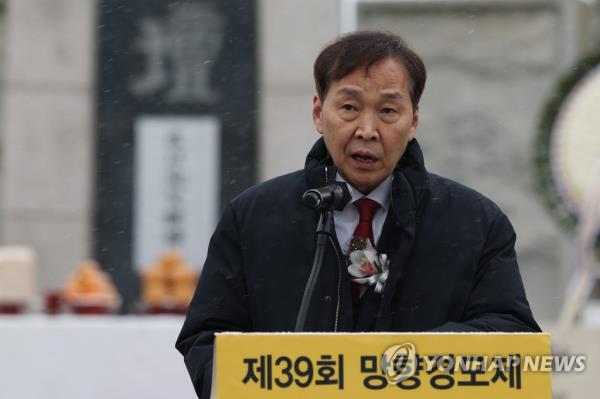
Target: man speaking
[[410, 250]]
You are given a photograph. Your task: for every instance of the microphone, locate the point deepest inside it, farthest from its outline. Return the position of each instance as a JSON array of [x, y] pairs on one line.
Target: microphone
[[328, 198], [334, 196]]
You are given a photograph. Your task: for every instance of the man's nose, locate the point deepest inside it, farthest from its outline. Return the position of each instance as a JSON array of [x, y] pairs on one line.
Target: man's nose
[[367, 127]]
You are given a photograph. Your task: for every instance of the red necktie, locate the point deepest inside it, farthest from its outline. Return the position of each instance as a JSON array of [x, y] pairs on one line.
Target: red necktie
[[366, 210]]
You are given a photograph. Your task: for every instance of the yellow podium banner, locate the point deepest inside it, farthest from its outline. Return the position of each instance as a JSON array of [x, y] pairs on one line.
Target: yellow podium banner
[[382, 365]]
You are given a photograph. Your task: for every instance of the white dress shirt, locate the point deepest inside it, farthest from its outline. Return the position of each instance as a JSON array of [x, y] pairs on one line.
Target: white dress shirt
[[346, 220]]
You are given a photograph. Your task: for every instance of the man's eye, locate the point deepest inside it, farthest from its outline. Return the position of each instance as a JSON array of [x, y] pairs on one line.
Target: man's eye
[[388, 110], [348, 107]]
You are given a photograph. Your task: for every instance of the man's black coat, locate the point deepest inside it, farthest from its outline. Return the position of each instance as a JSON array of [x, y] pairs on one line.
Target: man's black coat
[[453, 265]]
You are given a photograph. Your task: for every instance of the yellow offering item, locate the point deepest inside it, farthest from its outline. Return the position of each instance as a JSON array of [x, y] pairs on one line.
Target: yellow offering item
[[170, 282], [90, 286]]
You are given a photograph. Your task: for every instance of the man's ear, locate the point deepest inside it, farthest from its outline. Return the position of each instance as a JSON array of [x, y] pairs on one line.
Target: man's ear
[[316, 114], [415, 123]]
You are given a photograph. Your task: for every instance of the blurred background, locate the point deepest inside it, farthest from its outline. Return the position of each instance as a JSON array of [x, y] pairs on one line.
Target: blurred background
[[125, 126]]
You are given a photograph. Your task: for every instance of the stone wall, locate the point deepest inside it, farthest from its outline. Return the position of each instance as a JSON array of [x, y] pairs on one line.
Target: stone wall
[[47, 132], [291, 35]]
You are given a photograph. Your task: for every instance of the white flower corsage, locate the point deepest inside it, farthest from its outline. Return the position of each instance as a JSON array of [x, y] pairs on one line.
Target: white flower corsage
[[367, 265]]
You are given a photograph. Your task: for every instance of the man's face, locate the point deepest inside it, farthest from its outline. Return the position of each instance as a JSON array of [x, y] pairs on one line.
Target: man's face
[[367, 121]]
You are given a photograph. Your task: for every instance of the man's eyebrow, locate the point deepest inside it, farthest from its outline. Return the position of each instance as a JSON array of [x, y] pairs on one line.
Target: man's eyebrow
[[353, 92], [348, 92], [394, 95]]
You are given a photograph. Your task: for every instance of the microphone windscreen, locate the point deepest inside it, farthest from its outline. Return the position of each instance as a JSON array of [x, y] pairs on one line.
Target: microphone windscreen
[[311, 199]]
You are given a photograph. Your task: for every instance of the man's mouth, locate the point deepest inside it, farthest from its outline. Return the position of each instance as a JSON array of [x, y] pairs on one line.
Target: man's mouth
[[364, 156]]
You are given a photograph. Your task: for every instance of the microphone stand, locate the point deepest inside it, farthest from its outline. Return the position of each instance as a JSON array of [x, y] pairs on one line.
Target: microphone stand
[[325, 228]]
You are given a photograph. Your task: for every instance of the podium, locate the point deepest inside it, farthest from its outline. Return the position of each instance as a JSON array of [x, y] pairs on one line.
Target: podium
[[382, 365]]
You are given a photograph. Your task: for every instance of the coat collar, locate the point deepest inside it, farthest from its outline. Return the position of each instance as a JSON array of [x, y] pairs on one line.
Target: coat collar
[[408, 186]]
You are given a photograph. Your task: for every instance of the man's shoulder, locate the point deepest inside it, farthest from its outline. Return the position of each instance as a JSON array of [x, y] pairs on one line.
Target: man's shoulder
[[462, 209], [275, 191], [288, 181], [450, 193]]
